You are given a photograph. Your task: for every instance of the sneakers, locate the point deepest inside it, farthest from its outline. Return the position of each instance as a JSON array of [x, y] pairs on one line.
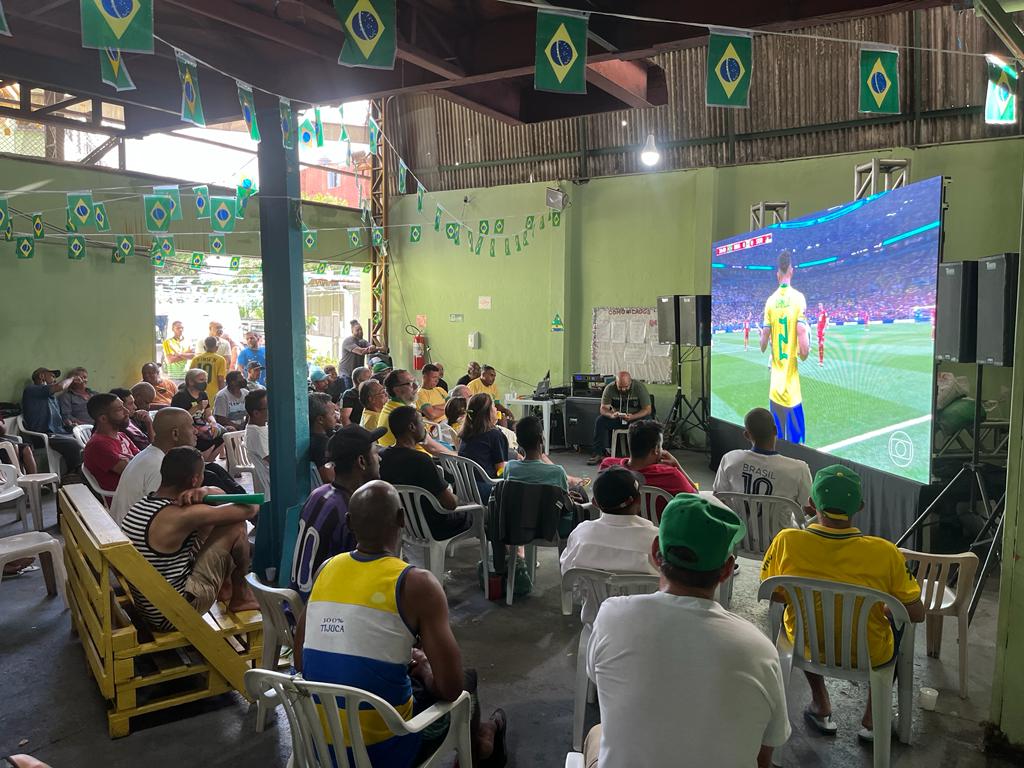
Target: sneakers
[[595, 459]]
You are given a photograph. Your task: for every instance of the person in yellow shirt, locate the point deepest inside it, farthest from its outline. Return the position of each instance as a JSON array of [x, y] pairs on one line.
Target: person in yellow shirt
[[177, 352], [485, 384], [401, 388], [214, 364], [834, 550], [430, 398], [373, 397], [785, 333]]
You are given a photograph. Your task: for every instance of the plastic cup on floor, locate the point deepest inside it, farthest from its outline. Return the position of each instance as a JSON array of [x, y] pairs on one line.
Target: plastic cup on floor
[[928, 698]]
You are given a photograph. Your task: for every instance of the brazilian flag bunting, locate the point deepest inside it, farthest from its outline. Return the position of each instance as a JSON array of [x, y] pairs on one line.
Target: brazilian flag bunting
[[38, 230], [114, 72], [236, 262], [222, 214], [284, 110], [126, 245], [76, 247], [879, 81], [248, 105], [191, 102], [171, 191], [158, 212], [25, 247], [123, 24], [561, 56], [217, 244], [730, 63], [3, 213], [80, 206], [370, 33], [202, 200], [1001, 94], [196, 262], [99, 212]]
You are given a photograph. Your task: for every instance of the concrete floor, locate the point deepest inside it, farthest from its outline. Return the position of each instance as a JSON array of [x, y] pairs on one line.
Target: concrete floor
[[526, 659]]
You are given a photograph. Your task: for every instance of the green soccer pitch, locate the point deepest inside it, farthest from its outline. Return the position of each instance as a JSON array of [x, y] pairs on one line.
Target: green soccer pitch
[[871, 401]]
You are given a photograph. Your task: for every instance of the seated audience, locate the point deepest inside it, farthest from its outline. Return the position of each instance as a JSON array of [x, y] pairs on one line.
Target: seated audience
[[535, 466], [485, 385], [177, 353], [482, 441], [623, 401], [619, 540], [318, 381], [380, 370], [74, 402], [41, 413], [229, 404], [472, 372], [22, 449], [109, 449], [461, 390], [144, 393], [833, 549], [164, 389], [647, 651], [254, 376], [202, 550], [172, 428], [253, 353], [373, 397], [401, 389], [335, 384], [351, 408], [323, 527], [406, 652], [257, 435], [440, 377], [194, 398], [323, 420], [430, 397], [406, 463], [658, 467], [140, 426], [214, 364]]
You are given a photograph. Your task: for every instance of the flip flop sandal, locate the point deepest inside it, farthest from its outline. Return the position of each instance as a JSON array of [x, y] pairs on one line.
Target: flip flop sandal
[[823, 725], [499, 757], [867, 735]]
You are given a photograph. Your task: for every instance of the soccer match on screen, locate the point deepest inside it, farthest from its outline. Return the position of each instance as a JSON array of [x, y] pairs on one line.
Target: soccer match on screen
[[828, 321]]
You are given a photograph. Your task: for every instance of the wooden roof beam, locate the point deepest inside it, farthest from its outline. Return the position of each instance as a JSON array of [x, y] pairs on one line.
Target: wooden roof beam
[[625, 80]]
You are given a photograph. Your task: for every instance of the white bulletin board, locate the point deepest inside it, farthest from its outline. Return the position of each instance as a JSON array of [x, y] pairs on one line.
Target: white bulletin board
[[626, 339]]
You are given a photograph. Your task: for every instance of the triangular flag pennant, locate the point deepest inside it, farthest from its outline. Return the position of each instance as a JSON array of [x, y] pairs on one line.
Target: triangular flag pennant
[[415, 233], [38, 231], [25, 247], [879, 81], [99, 213], [4, 29], [492, 247], [217, 244], [126, 245], [76, 247], [123, 24], [499, 226], [353, 236], [80, 206], [346, 270], [484, 227], [196, 262], [318, 127], [561, 52], [420, 191], [370, 39], [730, 61], [222, 214], [377, 236], [116, 257], [158, 212], [284, 109], [202, 200], [529, 222], [114, 72], [374, 135], [1001, 94], [191, 101], [4, 213], [402, 169], [171, 191], [309, 239], [248, 105], [437, 219], [321, 268], [307, 134], [367, 268], [236, 262], [556, 218]]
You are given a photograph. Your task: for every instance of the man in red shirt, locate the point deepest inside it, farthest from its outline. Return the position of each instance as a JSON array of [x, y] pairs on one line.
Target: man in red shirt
[[646, 456], [746, 333], [822, 324], [109, 449]]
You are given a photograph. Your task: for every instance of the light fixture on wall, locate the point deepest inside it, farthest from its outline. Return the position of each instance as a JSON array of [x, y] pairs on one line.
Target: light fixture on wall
[[650, 155]]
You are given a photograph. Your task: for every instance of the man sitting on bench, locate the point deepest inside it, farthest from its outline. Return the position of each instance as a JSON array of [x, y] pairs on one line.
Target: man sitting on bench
[[201, 549]]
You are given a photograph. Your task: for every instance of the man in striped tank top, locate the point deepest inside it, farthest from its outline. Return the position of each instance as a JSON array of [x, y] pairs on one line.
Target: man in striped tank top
[[201, 549], [377, 623]]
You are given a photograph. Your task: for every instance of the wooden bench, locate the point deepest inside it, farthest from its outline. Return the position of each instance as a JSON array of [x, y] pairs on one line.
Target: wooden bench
[[139, 670]]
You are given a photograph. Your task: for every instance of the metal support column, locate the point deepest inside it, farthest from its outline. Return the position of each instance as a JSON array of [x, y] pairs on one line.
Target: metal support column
[[379, 217], [284, 313]]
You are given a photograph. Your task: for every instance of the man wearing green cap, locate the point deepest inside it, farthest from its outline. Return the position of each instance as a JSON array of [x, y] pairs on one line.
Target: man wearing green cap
[[682, 681], [834, 550]]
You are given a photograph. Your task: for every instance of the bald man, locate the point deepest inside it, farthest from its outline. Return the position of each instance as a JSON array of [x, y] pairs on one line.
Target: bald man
[[378, 651], [163, 389]]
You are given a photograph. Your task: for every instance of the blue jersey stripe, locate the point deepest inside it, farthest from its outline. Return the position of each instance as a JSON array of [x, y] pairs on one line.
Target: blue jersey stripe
[[389, 681]]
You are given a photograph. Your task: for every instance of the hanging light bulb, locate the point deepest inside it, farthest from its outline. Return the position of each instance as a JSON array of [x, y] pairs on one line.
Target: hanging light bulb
[[650, 155]]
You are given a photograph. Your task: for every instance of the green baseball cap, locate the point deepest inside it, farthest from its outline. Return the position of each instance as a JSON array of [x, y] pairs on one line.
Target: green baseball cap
[[381, 367], [708, 530], [836, 488]]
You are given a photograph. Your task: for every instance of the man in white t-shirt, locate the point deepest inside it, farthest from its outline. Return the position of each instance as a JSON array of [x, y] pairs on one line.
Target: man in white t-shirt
[[720, 702], [172, 427], [762, 470], [257, 437]]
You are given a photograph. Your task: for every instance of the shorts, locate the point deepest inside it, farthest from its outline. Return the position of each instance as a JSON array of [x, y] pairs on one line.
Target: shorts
[[789, 422], [213, 565]]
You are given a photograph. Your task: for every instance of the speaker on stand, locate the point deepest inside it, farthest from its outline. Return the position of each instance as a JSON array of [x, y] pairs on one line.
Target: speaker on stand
[[685, 320]]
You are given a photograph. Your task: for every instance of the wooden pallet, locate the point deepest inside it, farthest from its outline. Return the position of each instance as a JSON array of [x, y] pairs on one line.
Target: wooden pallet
[[138, 670]]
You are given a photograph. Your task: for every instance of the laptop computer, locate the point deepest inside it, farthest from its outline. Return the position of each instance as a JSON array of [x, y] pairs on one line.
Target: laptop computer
[[542, 387]]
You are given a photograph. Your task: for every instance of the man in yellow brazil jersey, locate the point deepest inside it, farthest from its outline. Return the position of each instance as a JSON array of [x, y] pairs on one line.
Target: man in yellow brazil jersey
[[785, 333]]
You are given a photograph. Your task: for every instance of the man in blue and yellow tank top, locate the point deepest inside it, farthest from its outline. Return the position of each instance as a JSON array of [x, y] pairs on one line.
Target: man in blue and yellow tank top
[[377, 623]]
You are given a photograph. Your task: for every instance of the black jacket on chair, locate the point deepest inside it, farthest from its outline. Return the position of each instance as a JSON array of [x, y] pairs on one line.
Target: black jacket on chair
[[519, 513]]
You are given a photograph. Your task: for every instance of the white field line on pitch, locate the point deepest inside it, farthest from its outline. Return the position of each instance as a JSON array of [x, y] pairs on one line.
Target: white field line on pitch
[[875, 433]]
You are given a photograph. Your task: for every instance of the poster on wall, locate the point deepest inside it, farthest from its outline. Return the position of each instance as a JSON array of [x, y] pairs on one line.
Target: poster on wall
[[626, 339]]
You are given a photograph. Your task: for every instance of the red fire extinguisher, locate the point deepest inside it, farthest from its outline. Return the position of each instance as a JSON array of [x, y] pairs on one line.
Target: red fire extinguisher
[[419, 351]]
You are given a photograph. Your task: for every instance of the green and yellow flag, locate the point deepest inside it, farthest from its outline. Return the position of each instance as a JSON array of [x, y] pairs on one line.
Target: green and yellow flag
[[437, 218], [499, 226], [307, 134], [25, 246], [420, 191], [236, 262], [284, 110], [1001, 94], [402, 170], [374, 135], [377, 236], [3, 213], [879, 81], [126, 245], [38, 230], [197, 260], [729, 68], [415, 233], [222, 214], [191, 101], [202, 200], [217, 245], [76, 247], [123, 24], [99, 213], [318, 127], [162, 249], [353, 236], [114, 72], [309, 239], [158, 212], [116, 257], [174, 193], [80, 207], [560, 63], [248, 105], [370, 39]]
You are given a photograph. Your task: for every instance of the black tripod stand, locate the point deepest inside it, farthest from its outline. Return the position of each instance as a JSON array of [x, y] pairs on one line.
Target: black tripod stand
[[989, 538], [684, 413]]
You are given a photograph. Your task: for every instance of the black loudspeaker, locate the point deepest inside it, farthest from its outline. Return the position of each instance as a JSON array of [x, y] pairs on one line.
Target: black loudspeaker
[[668, 320], [694, 320], [956, 312], [997, 308]]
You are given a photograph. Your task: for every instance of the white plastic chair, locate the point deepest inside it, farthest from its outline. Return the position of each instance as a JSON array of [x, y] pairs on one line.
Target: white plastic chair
[[649, 497], [278, 633], [417, 532], [54, 461], [466, 473], [32, 484], [940, 600], [10, 493], [837, 628], [314, 477], [238, 459], [305, 702], [51, 558], [82, 433], [574, 760], [764, 517], [599, 585], [94, 484], [620, 434]]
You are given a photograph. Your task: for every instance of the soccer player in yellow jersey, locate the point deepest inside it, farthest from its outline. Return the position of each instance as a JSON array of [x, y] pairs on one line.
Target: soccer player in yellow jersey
[[785, 332]]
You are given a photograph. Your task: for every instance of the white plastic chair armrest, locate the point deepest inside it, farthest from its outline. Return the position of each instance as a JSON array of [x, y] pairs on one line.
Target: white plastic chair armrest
[[435, 712], [466, 508], [574, 760]]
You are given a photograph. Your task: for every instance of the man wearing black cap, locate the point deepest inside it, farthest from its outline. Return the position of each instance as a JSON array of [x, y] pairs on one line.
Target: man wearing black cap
[[619, 540], [323, 528], [41, 413], [682, 681]]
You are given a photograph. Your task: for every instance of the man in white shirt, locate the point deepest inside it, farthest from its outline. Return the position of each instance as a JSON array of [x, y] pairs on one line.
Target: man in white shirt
[[682, 681], [257, 437], [619, 540], [172, 427], [762, 470]]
